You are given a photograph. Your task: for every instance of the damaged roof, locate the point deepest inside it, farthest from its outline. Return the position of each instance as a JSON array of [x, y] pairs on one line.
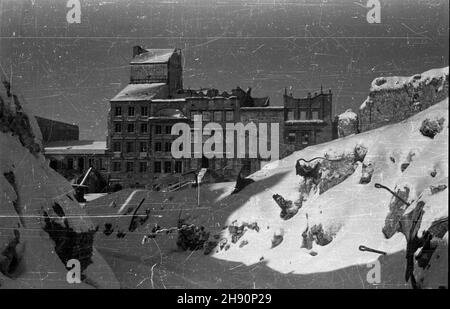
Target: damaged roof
[[140, 92], [153, 56]]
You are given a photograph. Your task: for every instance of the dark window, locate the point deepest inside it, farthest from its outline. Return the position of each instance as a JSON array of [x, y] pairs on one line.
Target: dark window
[[144, 110], [229, 116], [158, 129], [305, 138], [168, 129], [143, 146], [130, 128], [144, 128], [291, 137], [167, 146], [100, 164], [130, 146], [118, 127], [167, 167], [158, 146], [117, 167], [178, 167], [118, 111], [157, 167], [91, 162], [117, 147], [206, 116], [70, 163], [130, 110], [130, 166], [142, 167]]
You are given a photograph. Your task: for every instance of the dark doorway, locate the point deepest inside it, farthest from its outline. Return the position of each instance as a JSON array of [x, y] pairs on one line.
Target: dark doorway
[[54, 164], [70, 164], [81, 164]]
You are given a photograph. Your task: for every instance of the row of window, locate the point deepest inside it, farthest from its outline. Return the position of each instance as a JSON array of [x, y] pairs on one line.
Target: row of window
[[216, 116], [142, 146], [131, 111], [206, 115], [303, 115], [144, 128], [303, 137], [158, 167]]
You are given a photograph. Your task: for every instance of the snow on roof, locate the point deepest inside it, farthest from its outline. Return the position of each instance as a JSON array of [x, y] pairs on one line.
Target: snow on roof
[[306, 121], [168, 100], [169, 113], [153, 56], [139, 92], [398, 82], [76, 147], [261, 107]]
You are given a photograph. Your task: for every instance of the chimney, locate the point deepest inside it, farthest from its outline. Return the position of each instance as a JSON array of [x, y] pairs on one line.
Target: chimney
[[137, 50]]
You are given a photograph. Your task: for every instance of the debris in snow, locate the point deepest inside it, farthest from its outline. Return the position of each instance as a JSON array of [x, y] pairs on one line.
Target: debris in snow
[[237, 231], [364, 248], [277, 238], [397, 207], [366, 173], [437, 188], [191, 237], [316, 234], [243, 243], [430, 128], [288, 208]]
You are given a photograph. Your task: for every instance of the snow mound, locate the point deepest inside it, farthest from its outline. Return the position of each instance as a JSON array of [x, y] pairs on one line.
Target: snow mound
[[348, 115], [399, 82], [341, 209], [42, 226]]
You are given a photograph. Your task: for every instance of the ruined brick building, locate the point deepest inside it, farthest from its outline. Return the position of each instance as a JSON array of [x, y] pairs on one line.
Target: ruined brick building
[[137, 151], [142, 114]]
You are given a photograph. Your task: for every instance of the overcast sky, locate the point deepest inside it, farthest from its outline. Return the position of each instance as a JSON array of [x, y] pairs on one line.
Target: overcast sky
[[70, 71]]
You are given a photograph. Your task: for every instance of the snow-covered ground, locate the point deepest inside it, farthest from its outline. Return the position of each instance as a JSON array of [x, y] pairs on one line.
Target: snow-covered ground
[[353, 213], [343, 205]]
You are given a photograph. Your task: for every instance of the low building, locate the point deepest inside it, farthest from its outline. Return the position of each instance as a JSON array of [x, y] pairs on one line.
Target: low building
[[77, 157], [308, 121], [53, 130]]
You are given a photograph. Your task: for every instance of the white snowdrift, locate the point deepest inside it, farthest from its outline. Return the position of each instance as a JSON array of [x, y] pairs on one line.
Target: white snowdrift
[[354, 213]]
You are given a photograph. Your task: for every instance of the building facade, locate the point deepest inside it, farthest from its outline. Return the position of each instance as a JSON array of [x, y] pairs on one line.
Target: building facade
[[308, 121], [141, 117]]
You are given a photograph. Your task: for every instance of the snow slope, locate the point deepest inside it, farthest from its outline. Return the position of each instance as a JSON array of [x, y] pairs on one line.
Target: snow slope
[[353, 213], [41, 224], [257, 246]]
